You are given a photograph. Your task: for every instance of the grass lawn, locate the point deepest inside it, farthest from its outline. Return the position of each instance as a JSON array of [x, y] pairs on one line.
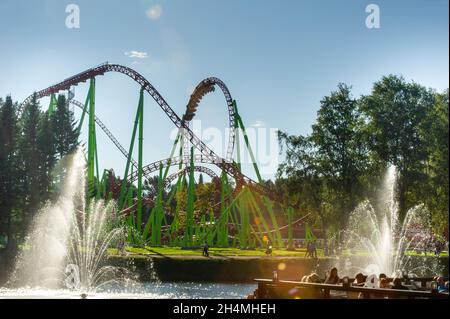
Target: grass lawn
[[218, 252], [236, 252], [413, 253]]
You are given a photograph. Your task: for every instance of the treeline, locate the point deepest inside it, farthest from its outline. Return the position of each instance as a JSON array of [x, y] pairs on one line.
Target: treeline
[[31, 144], [343, 160]]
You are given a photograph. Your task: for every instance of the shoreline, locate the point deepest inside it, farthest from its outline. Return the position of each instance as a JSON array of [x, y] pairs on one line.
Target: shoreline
[[232, 269], [224, 269]]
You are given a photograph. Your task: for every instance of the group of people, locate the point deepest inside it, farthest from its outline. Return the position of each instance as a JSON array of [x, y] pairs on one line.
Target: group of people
[[430, 245], [360, 280], [442, 285]]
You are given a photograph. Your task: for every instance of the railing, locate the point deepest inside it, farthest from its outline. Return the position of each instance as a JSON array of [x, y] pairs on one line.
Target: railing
[[285, 289]]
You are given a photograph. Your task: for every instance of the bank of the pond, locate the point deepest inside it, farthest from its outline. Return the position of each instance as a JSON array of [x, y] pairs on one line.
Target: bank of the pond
[[237, 269], [216, 269], [190, 266]]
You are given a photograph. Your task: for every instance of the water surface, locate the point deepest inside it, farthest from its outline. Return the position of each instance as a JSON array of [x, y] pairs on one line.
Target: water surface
[[141, 291]]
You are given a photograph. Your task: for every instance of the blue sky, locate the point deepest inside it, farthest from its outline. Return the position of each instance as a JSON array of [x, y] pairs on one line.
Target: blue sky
[[278, 58]]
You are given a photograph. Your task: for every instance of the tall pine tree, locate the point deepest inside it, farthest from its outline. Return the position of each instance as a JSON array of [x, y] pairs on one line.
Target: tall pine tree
[[8, 169], [29, 157], [66, 138], [47, 155]]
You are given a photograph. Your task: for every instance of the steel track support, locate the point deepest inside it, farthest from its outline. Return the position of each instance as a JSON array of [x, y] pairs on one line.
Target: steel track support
[[91, 140], [53, 104], [140, 162], [238, 144], [247, 143], [85, 109], [269, 206], [222, 234], [124, 187], [290, 213], [190, 204], [158, 212]]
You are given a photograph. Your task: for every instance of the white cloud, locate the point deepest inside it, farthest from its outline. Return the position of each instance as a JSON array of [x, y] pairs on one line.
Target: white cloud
[[136, 54], [155, 12], [258, 123]]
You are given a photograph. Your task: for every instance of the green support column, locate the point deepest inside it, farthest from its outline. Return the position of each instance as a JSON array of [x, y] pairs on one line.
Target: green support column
[[52, 105], [238, 144], [269, 206], [259, 214], [91, 140], [190, 204], [290, 229], [244, 230], [247, 143], [140, 163], [222, 233], [158, 215], [97, 187], [124, 188], [85, 108]]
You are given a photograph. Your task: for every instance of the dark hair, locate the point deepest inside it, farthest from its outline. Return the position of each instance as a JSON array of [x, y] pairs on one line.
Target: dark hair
[[383, 282], [359, 276], [397, 281], [382, 276]]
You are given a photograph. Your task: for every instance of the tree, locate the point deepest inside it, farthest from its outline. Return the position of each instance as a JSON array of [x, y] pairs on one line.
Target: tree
[[396, 111], [340, 149], [436, 134], [8, 168], [324, 171], [47, 155], [29, 157], [66, 137], [303, 185]]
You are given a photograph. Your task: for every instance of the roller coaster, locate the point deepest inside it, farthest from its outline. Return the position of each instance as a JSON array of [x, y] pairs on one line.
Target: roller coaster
[[241, 212]]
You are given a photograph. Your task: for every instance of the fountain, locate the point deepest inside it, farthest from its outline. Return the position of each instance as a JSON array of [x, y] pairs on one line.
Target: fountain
[[68, 241], [385, 245]]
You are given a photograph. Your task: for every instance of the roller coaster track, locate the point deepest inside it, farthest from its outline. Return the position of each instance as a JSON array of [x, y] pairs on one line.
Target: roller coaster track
[[107, 132], [208, 83], [199, 169], [229, 167], [204, 87], [147, 172], [151, 168], [155, 166]]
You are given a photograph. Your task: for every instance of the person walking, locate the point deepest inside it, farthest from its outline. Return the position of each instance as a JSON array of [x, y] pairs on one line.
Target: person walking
[[308, 249], [313, 250], [205, 249]]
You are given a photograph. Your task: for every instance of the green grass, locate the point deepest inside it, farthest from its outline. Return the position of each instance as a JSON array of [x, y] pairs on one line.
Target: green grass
[[360, 253], [217, 252], [235, 252], [413, 253]]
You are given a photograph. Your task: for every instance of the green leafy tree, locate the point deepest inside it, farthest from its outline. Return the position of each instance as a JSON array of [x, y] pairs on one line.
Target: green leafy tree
[[340, 148], [300, 180], [396, 111], [436, 135]]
